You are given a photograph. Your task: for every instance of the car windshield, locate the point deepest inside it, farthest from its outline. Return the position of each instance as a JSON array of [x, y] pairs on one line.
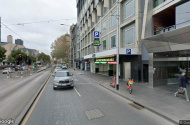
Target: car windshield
[[62, 74]]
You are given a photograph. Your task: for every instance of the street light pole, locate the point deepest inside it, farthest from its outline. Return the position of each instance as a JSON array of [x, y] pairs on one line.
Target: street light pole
[[118, 45]]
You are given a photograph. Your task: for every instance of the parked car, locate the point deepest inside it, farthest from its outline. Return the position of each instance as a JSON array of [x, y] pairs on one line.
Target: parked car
[[63, 79], [64, 67], [6, 70]]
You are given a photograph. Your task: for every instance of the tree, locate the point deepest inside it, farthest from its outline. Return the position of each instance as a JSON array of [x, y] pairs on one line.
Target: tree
[[32, 58], [60, 48], [11, 59], [16, 55], [2, 53], [44, 58]]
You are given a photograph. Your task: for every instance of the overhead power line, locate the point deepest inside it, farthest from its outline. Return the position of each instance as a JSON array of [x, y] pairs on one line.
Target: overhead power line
[[18, 34], [47, 21]]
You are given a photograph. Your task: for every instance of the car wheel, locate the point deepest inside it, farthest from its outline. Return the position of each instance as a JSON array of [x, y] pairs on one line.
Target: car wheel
[[54, 88], [72, 87]]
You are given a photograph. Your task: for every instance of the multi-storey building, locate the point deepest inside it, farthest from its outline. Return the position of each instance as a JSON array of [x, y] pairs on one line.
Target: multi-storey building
[[101, 15], [166, 35], [73, 46]]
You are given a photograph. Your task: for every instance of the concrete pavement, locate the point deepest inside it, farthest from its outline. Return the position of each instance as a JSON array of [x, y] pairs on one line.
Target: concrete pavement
[[159, 99], [88, 104]]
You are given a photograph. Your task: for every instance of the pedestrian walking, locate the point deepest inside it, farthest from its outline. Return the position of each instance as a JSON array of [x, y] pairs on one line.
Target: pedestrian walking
[[182, 84]]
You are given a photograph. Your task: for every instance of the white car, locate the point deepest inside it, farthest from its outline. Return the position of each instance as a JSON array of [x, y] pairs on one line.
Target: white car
[[6, 70], [64, 67]]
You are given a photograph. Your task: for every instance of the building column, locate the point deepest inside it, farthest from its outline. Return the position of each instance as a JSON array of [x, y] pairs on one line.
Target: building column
[[110, 70], [85, 68], [151, 70], [96, 68]]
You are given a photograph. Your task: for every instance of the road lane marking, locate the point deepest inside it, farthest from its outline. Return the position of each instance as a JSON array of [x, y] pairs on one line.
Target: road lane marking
[[34, 104], [77, 92]]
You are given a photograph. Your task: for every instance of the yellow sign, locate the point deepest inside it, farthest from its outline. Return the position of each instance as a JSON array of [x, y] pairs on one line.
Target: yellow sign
[[105, 60]]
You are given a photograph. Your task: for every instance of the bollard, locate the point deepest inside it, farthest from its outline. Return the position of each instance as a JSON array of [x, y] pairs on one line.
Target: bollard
[[21, 74], [8, 75]]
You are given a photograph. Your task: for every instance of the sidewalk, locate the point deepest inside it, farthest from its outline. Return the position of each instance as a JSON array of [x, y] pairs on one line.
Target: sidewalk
[[159, 100]]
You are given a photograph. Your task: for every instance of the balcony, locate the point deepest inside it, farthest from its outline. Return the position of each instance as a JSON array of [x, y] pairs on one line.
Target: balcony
[[162, 30]]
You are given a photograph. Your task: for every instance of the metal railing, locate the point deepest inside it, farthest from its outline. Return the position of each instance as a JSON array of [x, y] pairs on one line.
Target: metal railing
[[162, 30]]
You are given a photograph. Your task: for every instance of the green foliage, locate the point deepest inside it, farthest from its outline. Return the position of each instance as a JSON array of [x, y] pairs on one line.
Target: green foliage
[[60, 48], [32, 58], [16, 53], [2, 53], [44, 58], [11, 59]]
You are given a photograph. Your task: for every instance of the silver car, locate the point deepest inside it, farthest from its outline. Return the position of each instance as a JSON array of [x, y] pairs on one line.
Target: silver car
[[63, 79]]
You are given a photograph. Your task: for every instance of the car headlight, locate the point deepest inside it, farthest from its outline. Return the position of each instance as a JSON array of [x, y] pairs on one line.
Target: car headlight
[[56, 80], [71, 80]]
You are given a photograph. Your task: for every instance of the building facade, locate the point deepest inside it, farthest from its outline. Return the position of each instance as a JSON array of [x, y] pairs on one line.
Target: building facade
[[73, 46], [166, 36], [19, 42], [101, 15]]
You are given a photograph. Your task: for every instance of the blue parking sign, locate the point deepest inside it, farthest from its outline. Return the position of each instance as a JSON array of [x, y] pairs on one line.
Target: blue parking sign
[[128, 51], [96, 34]]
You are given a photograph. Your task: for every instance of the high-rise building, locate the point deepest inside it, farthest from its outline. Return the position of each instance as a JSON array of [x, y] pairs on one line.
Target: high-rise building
[[101, 16], [19, 42], [166, 36], [0, 30], [10, 39]]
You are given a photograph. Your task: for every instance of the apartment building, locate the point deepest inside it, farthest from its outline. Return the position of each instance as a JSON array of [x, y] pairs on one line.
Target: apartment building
[[166, 36], [101, 15], [73, 46]]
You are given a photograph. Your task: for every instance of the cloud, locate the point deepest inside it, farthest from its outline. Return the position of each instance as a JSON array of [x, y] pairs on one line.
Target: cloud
[[39, 35]]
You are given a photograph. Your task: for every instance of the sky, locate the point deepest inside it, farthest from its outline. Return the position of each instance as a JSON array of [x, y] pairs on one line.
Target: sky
[[37, 35]]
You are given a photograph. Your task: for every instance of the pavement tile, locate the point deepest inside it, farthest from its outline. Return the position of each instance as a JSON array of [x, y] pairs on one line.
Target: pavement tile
[[159, 99]]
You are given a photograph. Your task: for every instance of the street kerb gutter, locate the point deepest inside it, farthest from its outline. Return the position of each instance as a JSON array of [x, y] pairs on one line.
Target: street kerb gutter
[[23, 114], [155, 112]]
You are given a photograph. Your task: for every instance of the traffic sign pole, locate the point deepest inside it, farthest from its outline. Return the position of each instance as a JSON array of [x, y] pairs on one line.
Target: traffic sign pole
[[118, 45]]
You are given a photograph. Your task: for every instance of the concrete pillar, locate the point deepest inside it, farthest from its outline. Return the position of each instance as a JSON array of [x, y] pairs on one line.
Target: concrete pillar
[[85, 66], [151, 70]]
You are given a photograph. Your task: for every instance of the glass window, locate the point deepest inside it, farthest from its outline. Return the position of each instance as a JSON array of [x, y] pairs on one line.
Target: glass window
[[113, 18], [98, 48], [104, 26], [130, 36], [113, 40], [89, 38], [130, 7], [113, 2], [104, 45], [104, 10], [62, 74]]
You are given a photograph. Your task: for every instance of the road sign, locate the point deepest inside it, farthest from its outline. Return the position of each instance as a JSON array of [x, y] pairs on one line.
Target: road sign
[[128, 51], [96, 34], [96, 42]]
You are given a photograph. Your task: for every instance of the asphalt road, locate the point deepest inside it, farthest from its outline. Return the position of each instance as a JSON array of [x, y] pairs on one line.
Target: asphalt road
[[17, 93], [88, 104]]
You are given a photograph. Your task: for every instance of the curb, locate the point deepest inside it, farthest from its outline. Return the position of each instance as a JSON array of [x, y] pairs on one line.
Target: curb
[[23, 114], [155, 112]]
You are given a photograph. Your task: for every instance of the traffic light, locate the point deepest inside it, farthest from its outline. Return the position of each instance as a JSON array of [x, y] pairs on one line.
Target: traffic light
[[17, 62], [20, 57]]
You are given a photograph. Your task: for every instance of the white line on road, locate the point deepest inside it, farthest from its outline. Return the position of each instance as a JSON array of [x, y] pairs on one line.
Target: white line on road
[[77, 92]]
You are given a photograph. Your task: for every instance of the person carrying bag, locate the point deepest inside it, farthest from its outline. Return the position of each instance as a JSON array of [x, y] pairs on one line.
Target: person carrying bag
[[182, 84]]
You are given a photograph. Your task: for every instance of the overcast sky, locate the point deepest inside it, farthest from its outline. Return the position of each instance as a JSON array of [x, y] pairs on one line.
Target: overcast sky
[[39, 35]]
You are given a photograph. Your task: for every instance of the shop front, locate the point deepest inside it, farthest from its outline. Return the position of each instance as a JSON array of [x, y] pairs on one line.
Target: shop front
[[105, 66]]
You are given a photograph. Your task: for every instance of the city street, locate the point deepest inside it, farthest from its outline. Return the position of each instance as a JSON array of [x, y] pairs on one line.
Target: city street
[[16, 93], [88, 104]]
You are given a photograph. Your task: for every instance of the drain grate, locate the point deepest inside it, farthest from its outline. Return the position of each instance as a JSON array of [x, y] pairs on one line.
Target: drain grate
[[93, 114], [135, 105]]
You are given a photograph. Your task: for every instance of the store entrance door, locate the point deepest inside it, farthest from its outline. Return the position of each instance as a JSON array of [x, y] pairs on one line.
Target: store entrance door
[[127, 70], [145, 72]]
